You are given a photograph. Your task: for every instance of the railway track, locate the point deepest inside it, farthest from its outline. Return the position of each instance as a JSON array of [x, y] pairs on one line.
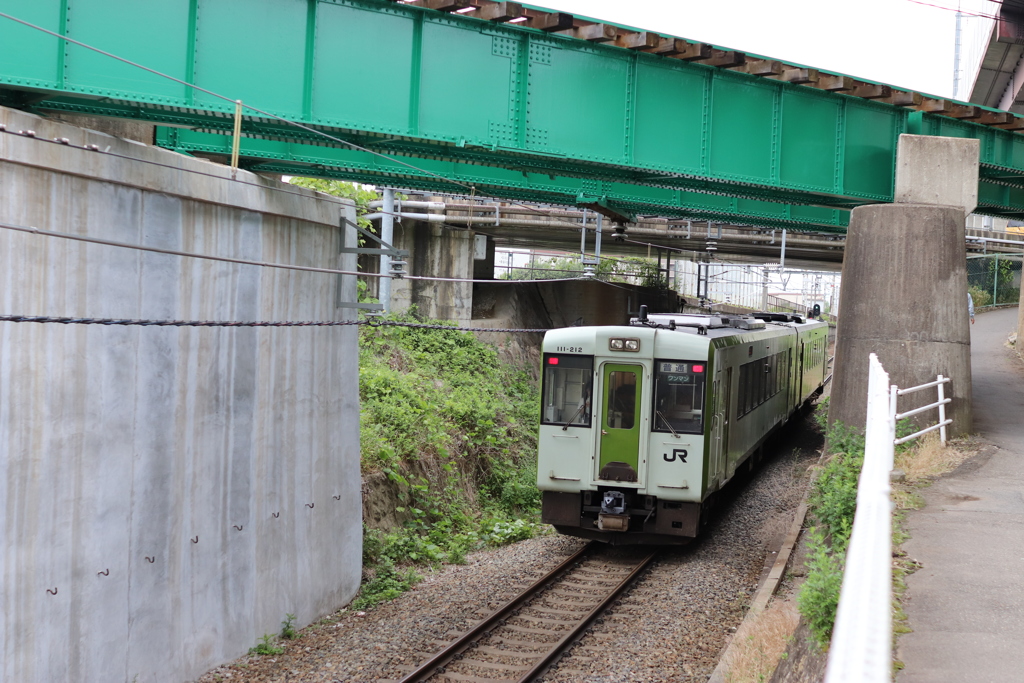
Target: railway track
[[527, 635]]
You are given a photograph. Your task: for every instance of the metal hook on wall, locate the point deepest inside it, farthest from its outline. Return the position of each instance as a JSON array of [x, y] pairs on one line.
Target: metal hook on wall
[[310, 505], [337, 497], [196, 539], [276, 515], [237, 527], [105, 572], [52, 592], [151, 560]]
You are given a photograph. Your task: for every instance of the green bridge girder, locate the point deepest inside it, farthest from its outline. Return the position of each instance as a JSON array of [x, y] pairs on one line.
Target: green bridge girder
[[637, 129], [275, 156]]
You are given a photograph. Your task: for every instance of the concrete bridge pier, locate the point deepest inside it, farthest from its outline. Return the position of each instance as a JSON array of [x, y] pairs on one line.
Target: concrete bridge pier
[[904, 293]]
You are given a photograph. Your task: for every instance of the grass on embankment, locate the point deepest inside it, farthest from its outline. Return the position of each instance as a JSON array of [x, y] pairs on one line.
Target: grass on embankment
[[831, 508], [449, 433]]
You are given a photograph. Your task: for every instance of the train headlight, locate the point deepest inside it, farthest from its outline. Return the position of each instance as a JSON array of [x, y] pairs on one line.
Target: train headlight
[[624, 344]]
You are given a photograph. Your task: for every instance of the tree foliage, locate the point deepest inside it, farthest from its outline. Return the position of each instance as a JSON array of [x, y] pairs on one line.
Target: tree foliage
[[627, 269], [359, 194]]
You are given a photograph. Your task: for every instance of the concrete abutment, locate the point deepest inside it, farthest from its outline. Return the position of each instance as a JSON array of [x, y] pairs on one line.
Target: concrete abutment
[[904, 294]]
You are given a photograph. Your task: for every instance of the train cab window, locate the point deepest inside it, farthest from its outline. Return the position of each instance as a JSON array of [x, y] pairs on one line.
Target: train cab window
[[567, 390], [621, 412], [679, 396]]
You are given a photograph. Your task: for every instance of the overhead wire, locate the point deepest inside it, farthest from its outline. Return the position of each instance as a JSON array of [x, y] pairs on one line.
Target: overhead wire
[[982, 15], [250, 107], [269, 115], [125, 322], [228, 99], [228, 259], [322, 196], [471, 187], [175, 252], [64, 142]]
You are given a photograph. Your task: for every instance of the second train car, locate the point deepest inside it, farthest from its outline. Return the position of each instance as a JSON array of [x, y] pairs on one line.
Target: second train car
[[642, 424]]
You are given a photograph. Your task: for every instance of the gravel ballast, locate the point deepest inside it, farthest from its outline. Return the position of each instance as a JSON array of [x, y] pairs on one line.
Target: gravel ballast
[[671, 627]]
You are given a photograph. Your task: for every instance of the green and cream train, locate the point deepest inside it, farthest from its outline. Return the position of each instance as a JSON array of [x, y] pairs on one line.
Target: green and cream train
[[643, 424]]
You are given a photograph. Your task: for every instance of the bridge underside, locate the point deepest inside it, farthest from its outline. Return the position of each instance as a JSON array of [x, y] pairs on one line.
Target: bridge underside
[[504, 100]]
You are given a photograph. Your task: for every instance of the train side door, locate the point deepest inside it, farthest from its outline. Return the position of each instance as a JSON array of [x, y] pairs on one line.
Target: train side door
[[800, 374], [720, 445], [620, 417]]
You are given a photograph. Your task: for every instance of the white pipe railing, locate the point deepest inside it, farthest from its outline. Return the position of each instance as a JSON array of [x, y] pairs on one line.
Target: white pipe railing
[[861, 650], [939, 383]]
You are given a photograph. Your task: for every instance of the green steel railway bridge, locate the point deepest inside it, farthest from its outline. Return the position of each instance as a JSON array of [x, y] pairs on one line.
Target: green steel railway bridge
[[495, 99]]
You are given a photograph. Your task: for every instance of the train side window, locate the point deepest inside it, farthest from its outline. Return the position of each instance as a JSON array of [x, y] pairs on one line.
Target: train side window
[[744, 403], [679, 396], [567, 390]]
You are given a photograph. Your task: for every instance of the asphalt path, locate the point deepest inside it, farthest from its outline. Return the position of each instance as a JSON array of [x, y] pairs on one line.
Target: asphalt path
[[966, 603]]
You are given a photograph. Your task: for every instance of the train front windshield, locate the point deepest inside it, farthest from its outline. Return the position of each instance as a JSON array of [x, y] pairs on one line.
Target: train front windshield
[[679, 396], [568, 390]]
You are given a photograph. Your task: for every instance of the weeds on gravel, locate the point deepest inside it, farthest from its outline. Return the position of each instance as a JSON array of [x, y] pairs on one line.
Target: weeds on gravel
[[387, 584], [266, 646], [288, 631], [499, 532], [762, 645], [928, 458]]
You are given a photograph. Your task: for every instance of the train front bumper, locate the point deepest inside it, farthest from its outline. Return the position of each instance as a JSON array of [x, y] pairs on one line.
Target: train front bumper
[[658, 521]]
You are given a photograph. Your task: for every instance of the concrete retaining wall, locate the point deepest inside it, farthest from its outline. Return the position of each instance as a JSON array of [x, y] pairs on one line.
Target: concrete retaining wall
[[167, 495]]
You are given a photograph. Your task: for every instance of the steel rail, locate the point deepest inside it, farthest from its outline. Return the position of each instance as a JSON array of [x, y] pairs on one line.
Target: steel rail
[[577, 632], [428, 668]]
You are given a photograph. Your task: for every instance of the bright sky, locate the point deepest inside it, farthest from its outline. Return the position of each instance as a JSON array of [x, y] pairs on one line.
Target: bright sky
[[898, 42]]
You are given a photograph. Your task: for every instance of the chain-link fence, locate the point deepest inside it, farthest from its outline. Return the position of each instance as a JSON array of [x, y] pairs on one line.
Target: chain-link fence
[[994, 279]]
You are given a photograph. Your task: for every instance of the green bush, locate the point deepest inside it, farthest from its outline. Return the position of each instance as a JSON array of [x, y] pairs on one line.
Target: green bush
[[819, 594], [455, 431], [981, 297], [441, 393], [832, 504], [821, 413], [833, 499], [499, 532]]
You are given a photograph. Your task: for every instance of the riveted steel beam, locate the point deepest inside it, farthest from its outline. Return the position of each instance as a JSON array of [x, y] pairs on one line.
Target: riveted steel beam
[[630, 199], [496, 84]]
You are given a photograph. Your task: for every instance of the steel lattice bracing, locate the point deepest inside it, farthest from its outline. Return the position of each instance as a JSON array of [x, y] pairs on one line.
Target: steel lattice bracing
[[631, 122]]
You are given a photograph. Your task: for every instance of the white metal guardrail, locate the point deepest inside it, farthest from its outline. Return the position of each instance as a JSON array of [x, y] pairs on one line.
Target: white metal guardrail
[[939, 383], [861, 649]]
